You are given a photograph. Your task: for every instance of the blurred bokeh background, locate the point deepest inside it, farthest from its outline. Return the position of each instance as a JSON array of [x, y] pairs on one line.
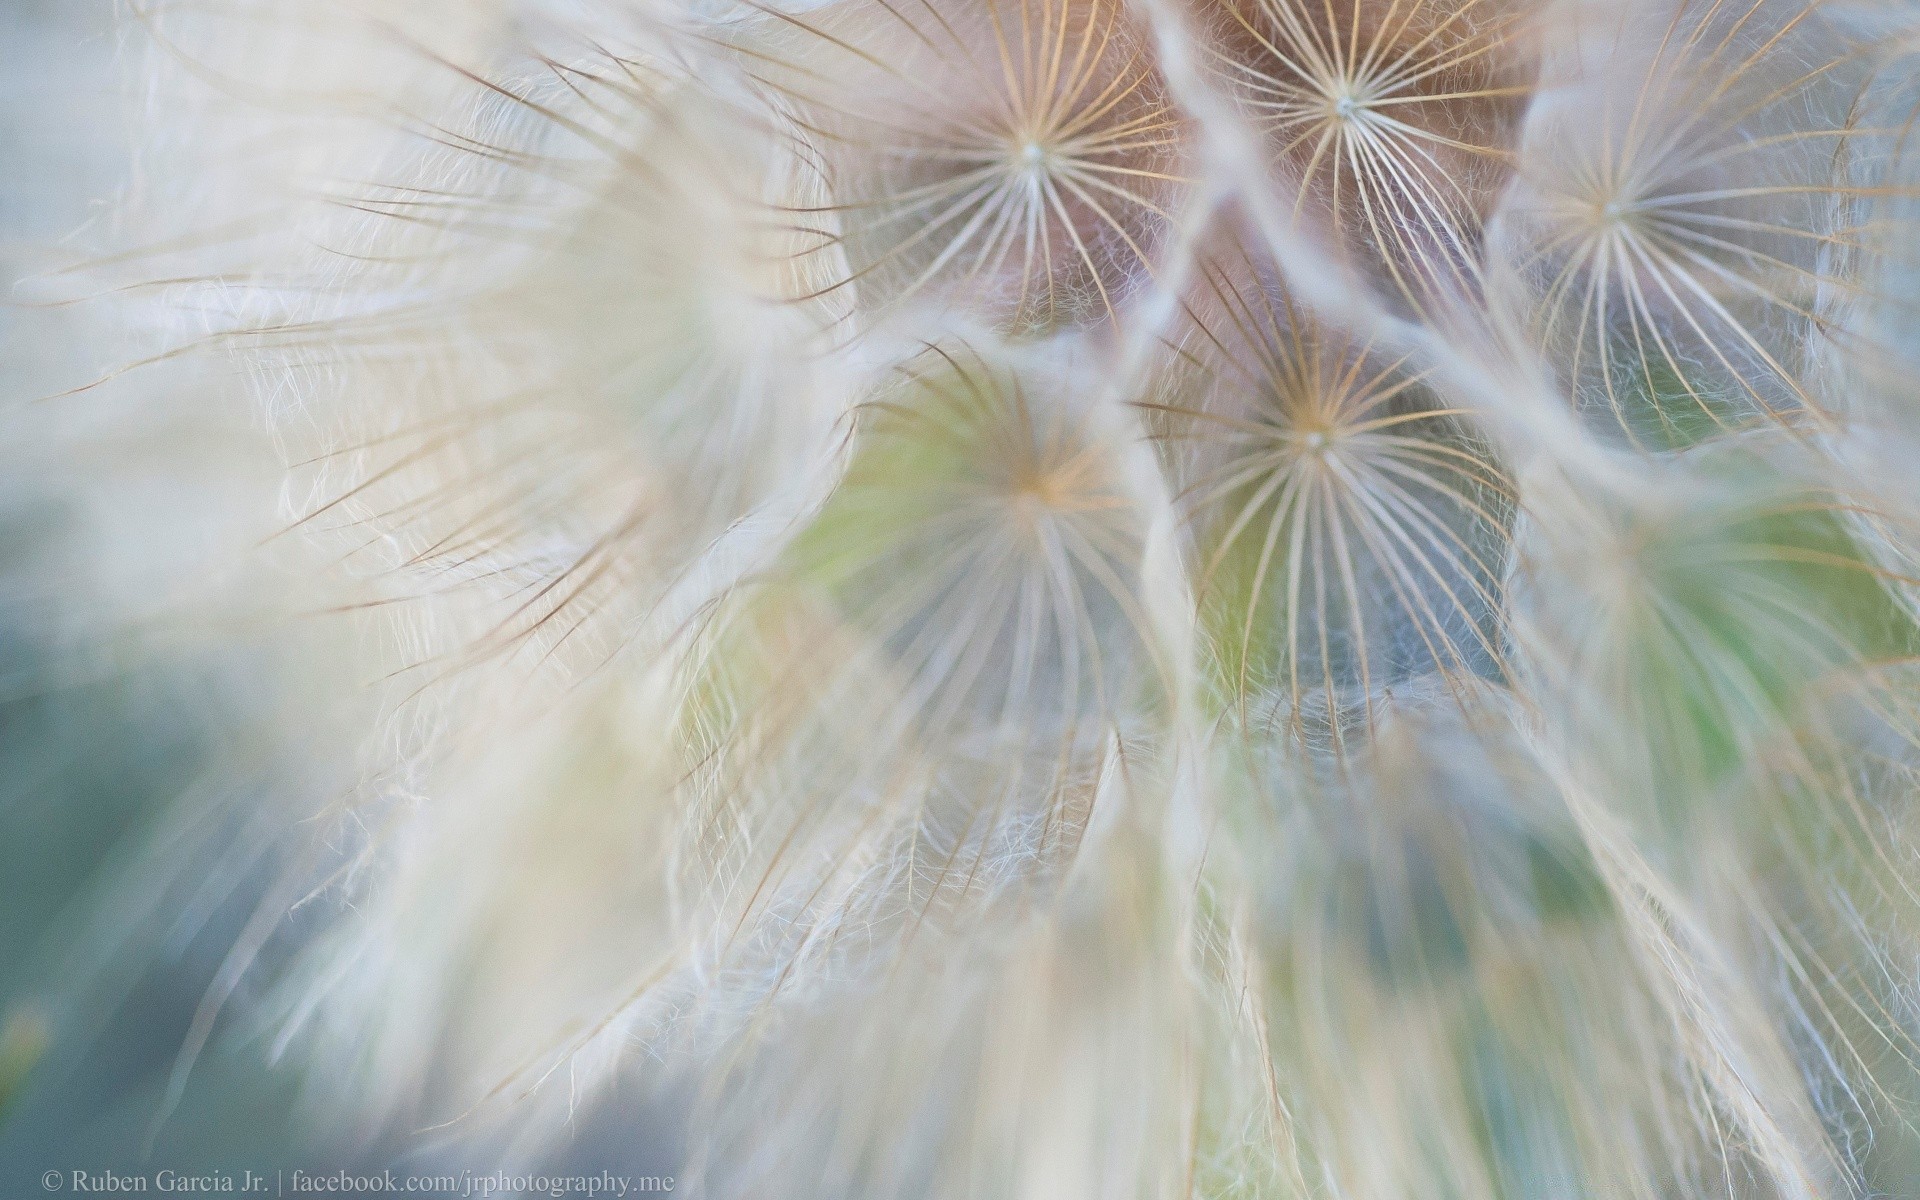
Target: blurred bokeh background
[[113, 706]]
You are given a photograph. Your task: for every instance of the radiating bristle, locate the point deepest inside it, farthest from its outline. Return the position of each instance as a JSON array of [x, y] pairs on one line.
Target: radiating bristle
[[615, 383], [1391, 123], [1349, 527], [1693, 207], [1020, 161]]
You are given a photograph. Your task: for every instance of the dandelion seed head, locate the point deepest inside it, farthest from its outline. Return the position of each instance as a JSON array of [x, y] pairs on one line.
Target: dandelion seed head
[[1068, 598]]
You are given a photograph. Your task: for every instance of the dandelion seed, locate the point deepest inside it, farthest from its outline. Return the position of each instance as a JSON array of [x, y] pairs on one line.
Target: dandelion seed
[[1702, 619], [1019, 160], [563, 403], [1689, 227], [1349, 528], [987, 534], [1394, 119]]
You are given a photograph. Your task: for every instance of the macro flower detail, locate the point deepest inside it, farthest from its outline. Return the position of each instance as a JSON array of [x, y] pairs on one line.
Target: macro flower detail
[[1146, 599]]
